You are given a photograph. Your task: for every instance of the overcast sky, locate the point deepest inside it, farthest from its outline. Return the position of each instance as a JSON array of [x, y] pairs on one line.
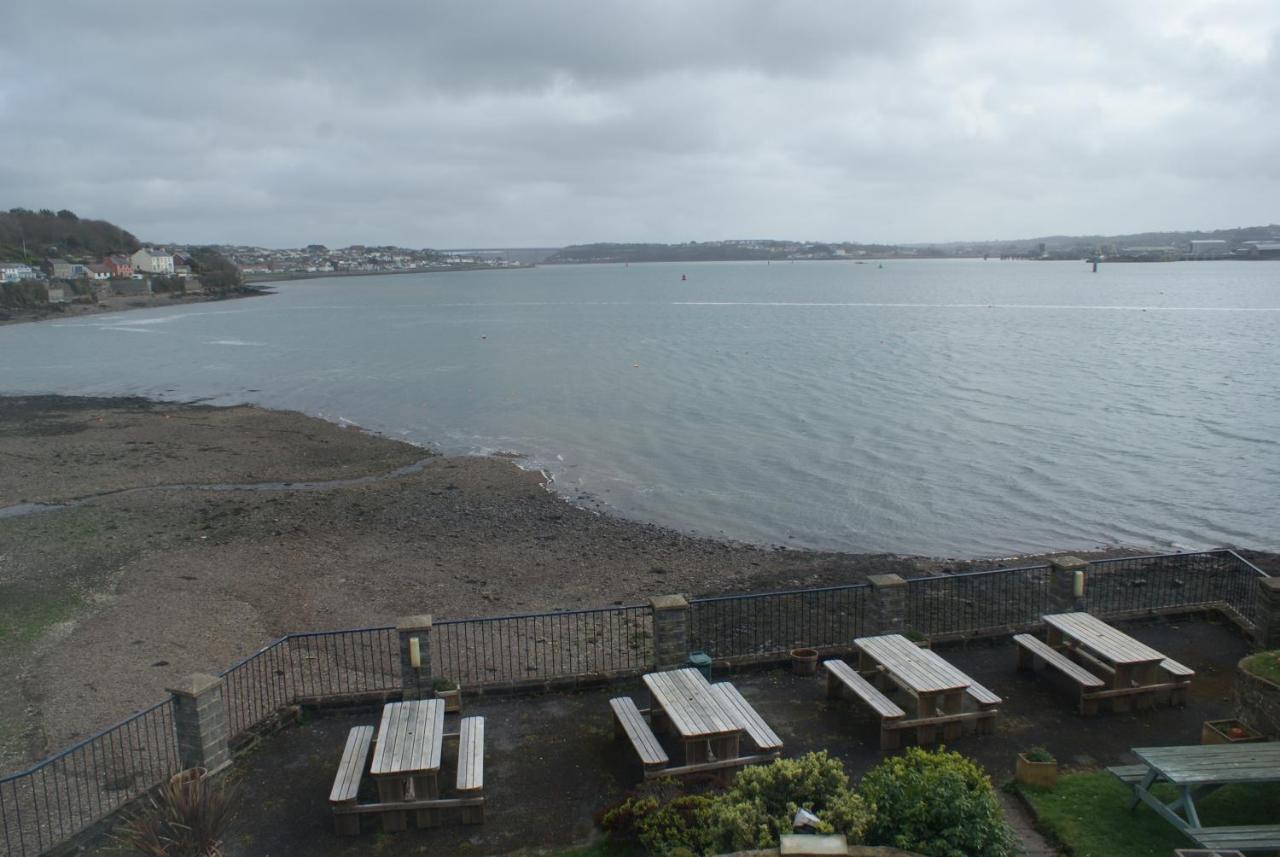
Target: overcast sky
[[489, 123]]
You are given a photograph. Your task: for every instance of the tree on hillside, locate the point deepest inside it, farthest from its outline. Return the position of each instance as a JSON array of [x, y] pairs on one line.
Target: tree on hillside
[[60, 234], [217, 273]]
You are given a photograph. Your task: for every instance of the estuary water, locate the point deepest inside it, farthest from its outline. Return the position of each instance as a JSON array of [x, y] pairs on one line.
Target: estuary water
[[951, 408]]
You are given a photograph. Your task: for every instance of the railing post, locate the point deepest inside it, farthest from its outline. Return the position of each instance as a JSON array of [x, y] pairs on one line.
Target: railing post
[[415, 646], [888, 603], [1062, 584], [670, 630], [1268, 633], [200, 722]]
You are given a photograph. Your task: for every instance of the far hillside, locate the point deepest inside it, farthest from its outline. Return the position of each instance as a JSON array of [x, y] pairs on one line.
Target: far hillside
[[49, 234]]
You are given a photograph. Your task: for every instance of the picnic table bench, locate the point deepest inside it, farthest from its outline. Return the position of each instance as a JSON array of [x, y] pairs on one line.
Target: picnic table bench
[[1106, 663], [405, 766], [1196, 771], [709, 719], [938, 690]]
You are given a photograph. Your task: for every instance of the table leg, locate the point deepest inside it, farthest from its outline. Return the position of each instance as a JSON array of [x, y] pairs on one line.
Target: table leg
[[427, 787], [695, 750], [1053, 636], [926, 706], [728, 747], [1122, 679], [392, 790], [952, 703]]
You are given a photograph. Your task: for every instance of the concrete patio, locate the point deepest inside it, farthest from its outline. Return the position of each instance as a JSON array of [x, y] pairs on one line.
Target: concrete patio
[[552, 762]]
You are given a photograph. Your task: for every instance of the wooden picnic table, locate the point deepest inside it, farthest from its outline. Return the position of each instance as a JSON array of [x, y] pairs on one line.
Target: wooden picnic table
[[683, 699], [1198, 770], [406, 757], [1130, 662], [937, 687]]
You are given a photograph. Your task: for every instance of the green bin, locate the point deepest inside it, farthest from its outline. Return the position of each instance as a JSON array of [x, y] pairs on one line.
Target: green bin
[[701, 662]]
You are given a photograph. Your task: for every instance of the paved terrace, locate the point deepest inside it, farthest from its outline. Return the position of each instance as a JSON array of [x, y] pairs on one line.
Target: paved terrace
[[551, 761]]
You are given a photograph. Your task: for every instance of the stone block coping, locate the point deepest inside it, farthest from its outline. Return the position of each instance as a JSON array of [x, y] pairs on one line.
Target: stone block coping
[[668, 602], [194, 685], [414, 623], [880, 581]]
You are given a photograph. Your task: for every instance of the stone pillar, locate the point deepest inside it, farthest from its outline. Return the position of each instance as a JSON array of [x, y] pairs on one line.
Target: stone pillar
[[1062, 582], [200, 722], [888, 603], [415, 682], [1268, 633], [670, 630]]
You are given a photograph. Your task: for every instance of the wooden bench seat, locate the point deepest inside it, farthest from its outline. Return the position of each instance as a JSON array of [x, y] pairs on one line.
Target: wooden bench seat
[[1129, 774], [346, 784], [747, 717], [630, 722], [1182, 675], [1246, 838], [1030, 648], [840, 676], [470, 782], [986, 701]]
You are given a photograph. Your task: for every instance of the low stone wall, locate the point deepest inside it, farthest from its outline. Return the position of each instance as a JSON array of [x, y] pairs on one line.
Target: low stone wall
[[1257, 702]]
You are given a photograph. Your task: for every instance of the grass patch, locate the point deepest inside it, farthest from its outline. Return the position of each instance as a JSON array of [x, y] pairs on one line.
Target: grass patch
[[1264, 665], [1087, 814], [23, 621]]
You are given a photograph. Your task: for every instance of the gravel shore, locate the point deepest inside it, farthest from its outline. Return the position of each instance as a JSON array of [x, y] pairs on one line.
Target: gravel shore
[[155, 569]]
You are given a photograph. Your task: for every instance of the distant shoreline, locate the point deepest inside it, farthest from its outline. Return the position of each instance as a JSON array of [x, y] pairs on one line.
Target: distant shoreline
[[119, 304], [285, 276]]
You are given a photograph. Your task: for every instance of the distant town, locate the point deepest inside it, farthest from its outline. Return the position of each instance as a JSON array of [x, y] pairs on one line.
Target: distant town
[[50, 259]]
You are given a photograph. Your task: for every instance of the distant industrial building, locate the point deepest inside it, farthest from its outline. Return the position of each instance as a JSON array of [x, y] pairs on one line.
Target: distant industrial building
[[1209, 247]]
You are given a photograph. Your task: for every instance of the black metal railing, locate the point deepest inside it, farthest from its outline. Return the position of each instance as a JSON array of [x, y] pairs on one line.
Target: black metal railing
[[976, 602], [1144, 584], [743, 626], [543, 646], [54, 800], [332, 664], [256, 686]]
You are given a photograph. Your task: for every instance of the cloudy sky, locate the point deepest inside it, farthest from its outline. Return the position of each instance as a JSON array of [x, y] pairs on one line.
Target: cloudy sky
[[522, 123]]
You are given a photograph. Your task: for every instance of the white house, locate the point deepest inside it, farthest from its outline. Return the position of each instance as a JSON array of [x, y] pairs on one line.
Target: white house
[[148, 261], [13, 272]]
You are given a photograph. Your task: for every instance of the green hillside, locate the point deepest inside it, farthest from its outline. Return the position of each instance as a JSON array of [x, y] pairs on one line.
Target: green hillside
[[50, 234]]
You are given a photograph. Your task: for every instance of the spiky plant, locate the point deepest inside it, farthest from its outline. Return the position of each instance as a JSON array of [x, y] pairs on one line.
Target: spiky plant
[[185, 819]]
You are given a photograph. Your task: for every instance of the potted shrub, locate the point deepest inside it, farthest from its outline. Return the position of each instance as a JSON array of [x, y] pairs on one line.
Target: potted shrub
[[804, 661], [1037, 767], [448, 690], [1229, 732]]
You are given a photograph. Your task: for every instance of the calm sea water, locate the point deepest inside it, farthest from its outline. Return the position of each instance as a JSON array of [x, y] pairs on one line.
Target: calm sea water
[[950, 408]]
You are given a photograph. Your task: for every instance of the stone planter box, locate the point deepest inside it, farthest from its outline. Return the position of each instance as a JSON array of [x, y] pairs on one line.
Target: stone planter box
[[1229, 732], [452, 699], [1041, 774], [1257, 702]]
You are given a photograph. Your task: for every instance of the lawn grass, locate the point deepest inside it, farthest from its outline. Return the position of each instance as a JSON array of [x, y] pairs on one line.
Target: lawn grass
[[1087, 814], [1264, 664]]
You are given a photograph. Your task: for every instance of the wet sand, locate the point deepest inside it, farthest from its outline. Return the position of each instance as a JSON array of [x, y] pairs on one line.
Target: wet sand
[[162, 567]]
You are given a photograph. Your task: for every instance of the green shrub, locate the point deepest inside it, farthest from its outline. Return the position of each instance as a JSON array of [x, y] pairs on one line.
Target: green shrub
[[938, 804], [1038, 754], [752, 813]]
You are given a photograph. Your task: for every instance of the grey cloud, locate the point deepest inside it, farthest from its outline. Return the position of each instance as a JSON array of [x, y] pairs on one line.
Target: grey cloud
[[446, 124]]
